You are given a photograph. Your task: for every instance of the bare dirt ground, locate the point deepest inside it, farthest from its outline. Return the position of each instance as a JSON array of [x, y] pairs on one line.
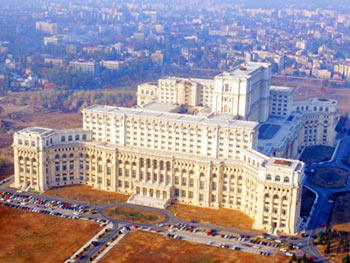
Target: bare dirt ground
[[135, 215], [87, 194], [306, 89], [30, 237], [15, 118], [340, 219], [140, 246], [221, 217]]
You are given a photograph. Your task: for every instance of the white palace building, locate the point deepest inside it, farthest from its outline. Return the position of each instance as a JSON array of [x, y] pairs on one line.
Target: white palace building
[[228, 142]]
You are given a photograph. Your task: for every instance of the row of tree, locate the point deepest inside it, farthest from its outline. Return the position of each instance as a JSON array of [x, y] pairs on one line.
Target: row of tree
[[329, 237], [70, 101]]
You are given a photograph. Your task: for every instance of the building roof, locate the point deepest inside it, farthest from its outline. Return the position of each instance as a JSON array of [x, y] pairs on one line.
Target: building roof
[[212, 120], [244, 71]]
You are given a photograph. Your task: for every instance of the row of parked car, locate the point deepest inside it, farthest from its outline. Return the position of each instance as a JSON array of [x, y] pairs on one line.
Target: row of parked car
[[37, 210], [24, 199]]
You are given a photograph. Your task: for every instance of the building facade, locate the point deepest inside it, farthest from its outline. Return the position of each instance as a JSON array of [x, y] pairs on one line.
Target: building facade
[[240, 158], [140, 153]]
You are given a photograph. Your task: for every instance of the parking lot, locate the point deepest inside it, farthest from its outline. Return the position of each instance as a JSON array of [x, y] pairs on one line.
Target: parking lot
[[264, 245], [42, 205]]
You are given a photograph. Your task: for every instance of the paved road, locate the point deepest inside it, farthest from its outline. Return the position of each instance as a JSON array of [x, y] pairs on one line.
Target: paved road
[[322, 207]]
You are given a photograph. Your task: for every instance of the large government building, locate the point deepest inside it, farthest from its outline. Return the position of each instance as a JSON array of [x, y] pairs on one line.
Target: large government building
[[229, 142]]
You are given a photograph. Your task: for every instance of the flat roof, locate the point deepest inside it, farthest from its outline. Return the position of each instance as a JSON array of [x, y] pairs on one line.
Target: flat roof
[[243, 71], [162, 107], [275, 133], [282, 89], [214, 120], [42, 132]]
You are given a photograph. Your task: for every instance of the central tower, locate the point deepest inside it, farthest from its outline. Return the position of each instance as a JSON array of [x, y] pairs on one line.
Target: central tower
[[244, 92]]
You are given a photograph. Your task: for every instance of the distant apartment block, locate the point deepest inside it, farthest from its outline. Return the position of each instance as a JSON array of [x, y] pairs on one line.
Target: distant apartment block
[[82, 66], [46, 27]]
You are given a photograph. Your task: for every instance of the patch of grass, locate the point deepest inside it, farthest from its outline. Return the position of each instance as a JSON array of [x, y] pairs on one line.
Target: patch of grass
[[316, 154], [222, 217], [135, 215], [145, 247], [30, 237], [87, 194], [330, 177]]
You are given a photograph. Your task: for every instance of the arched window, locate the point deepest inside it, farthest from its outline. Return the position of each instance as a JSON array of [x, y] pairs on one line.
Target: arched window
[[63, 139], [71, 155], [70, 138], [267, 196], [286, 179], [268, 177], [20, 142], [155, 164], [77, 137], [275, 196], [33, 143], [81, 155], [277, 178], [86, 156], [64, 156], [26, 143], [284, 198], [57, 156], [84, 137]]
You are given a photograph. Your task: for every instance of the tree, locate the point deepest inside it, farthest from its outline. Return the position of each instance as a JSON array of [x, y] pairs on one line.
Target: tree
[[327, 250], [346, 259], [319, 238]]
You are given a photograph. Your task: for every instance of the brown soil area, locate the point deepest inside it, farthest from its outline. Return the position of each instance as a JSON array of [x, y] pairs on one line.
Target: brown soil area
[[221, 217], [20, 117], [140, 246], [29, 237], [335, 256], [86, 194], [340, 220], [310, 88], [134, 215]]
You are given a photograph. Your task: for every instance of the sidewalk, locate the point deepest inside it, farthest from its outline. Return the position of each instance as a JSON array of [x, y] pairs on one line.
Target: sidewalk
[[73, 257], [110, 246]]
